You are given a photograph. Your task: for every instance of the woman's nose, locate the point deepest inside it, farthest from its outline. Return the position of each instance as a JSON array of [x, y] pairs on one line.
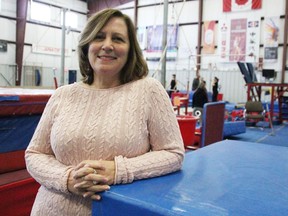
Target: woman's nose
[[107, 45]]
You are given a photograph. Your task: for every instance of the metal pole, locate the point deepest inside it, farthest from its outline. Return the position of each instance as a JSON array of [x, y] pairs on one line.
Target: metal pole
[[63, 46], [164, 43], [136, 13], [200, 19], [285, 44]]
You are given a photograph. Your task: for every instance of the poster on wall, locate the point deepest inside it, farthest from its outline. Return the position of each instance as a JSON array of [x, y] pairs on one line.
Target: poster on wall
[[253, 40], [154, 43], [223, 42], [239, 40], [271, 36], [238, 30], [208, 37]]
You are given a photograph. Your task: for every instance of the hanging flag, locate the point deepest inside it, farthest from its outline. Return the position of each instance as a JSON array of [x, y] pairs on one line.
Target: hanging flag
[[208, 38], [223, 40], [238, 31], [241, 5], [253, 39]]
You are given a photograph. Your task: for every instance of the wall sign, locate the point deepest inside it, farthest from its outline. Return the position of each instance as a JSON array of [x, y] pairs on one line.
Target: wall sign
[[49, 50]]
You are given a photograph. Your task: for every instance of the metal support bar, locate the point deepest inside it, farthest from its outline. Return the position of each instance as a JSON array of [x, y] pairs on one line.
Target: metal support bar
[[63, 47], [164, 43]]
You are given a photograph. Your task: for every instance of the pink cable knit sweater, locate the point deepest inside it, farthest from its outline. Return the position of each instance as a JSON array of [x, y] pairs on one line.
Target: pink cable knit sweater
[[133, 124]]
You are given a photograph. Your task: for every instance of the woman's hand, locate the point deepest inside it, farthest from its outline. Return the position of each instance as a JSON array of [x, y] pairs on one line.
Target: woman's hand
[[91, 177], [104, 168]]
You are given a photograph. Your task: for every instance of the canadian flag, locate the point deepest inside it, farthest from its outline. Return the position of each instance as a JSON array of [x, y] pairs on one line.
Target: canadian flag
[[241, 5]]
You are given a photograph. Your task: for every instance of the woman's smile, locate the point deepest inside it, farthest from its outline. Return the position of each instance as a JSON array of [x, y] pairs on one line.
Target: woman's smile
[[107, 57]]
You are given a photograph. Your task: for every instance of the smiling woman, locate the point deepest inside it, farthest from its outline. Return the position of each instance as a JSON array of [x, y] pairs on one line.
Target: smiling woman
[[135, 68], [103, 130], [108, 53]]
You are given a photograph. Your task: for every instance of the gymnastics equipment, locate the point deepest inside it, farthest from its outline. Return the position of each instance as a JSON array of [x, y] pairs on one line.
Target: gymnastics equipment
[[251, 72], [20, 112], [212, 125], [245, 72]]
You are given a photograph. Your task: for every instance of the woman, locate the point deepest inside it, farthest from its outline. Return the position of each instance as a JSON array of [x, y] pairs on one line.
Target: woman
[[200, 96], [215, 89], [104, 130], [173, 85]]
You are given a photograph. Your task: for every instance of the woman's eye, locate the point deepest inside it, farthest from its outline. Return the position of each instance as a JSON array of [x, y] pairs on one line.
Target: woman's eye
[[118, 39], [99, 37]]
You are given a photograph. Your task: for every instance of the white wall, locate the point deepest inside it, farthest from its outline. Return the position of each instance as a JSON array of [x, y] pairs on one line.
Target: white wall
[[40, 35], [183, 13], [233, 85]]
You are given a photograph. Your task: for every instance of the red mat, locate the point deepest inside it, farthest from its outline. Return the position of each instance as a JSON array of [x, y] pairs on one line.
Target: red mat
[[17, 198]]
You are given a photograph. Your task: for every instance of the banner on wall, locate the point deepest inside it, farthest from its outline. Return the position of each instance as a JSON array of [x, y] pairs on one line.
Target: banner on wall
[[241, 5], [224, 38], [253, 40], [239, 40], [208, 37], [154, 43], [271, 35], [49, 50], [237, 50]]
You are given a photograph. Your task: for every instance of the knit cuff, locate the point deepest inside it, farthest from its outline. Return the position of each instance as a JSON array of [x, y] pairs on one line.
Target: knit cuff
[[122, 174]]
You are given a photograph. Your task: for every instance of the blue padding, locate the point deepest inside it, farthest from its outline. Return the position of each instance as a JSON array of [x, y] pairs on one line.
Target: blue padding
[[230, 107], [231, 178], [9, 98], [234, 128], [16, 132]]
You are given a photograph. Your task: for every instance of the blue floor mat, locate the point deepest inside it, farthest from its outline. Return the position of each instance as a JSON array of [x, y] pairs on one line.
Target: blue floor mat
[[278, 135]]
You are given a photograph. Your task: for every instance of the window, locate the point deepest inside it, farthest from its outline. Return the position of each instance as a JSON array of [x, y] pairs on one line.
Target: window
[[40, 12]]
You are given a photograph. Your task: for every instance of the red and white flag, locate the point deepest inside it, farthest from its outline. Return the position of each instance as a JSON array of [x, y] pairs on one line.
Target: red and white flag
[[241, 5]]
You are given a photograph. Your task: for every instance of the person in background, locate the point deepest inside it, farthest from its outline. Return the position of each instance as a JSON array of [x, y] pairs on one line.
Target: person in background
[[196, 82], [215, 85], [173, 85], [200, 96], [103, 130]]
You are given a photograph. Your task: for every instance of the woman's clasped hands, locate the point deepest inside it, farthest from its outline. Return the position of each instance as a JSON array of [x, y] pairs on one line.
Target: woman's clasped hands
[[91, 177]]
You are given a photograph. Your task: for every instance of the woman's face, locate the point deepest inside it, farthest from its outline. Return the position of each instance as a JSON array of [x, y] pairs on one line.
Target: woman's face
[[108, 52]]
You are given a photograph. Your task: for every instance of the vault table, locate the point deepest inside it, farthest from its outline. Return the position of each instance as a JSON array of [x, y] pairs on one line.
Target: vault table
[[226, 178]]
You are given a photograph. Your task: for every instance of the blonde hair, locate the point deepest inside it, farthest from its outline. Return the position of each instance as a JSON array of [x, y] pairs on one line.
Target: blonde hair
[[135, 67]]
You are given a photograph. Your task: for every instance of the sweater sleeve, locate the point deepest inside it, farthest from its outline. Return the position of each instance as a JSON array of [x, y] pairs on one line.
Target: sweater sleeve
[[167, 148], [40, 159]]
